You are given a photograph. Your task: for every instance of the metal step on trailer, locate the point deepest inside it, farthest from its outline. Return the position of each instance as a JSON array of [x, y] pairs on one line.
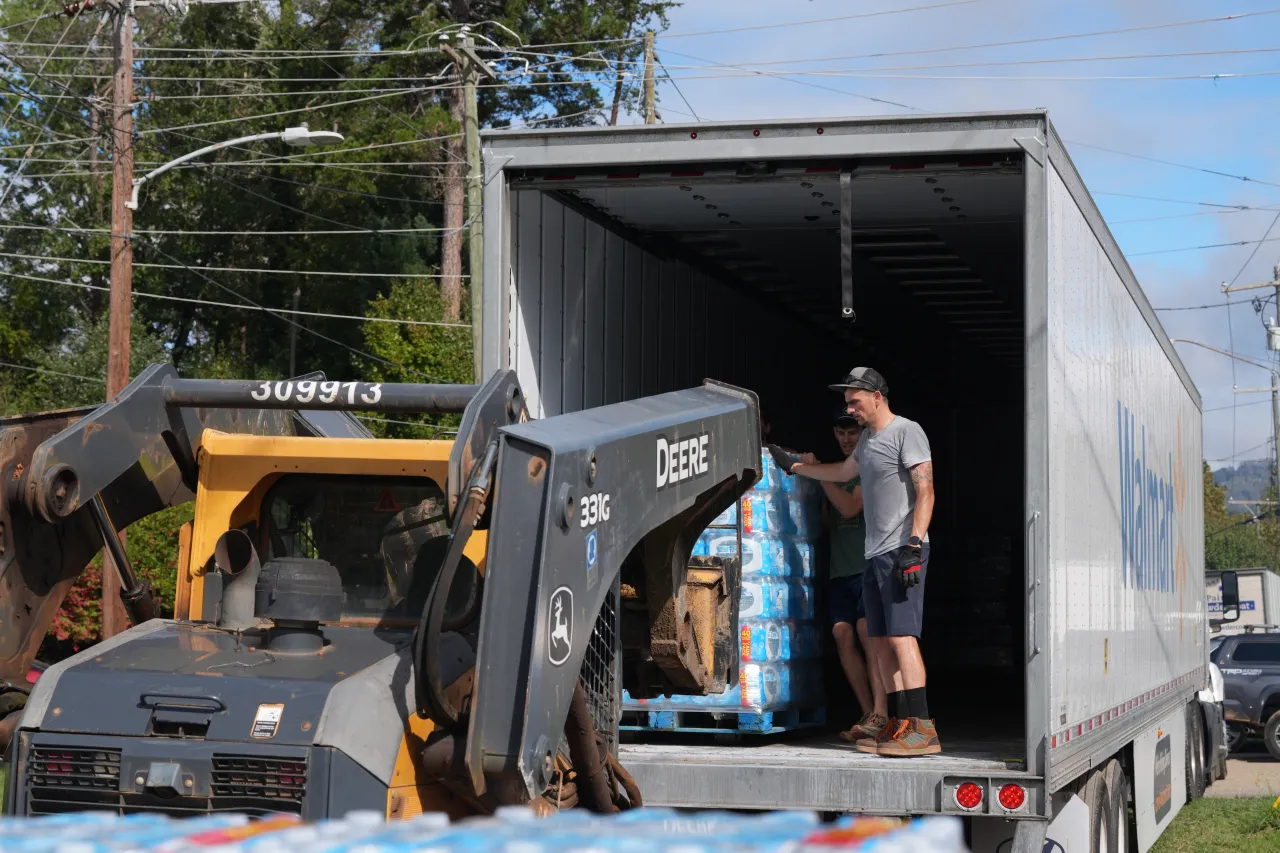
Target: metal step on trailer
[[819, 771], [723, 720]]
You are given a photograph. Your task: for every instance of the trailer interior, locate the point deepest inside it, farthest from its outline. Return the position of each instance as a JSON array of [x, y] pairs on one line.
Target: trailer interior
[[938, 295]]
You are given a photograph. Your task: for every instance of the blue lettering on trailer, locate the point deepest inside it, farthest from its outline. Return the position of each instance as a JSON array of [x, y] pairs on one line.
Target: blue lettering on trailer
[[1147, 504]]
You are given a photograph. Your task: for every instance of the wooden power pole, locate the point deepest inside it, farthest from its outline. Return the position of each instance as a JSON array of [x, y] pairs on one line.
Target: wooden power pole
[[121, 300], [650, 113], [472, 66]]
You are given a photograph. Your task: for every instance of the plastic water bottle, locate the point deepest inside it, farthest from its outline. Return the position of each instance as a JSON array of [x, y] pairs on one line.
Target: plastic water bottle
[[801, 559], [751, 600], [767, 512], [729, 516], [777, 641]]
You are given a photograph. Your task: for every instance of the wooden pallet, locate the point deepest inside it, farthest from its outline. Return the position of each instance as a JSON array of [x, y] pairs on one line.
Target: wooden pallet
[[723, 720]]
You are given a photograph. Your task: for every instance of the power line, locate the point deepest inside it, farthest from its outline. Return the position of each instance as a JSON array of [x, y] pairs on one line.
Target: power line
[[809, 83], [1180, 201], [52, 372], [213, 303], [1245, 178], [820, 20], [1198, 248], [1241, 405], [1041, 39], [1202, 307], [677, 88], [156, 232], [297, 325], [54, 259]]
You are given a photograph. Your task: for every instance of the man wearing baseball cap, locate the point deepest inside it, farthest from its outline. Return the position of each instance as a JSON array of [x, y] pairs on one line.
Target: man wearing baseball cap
[[893, 460], [844, 588]]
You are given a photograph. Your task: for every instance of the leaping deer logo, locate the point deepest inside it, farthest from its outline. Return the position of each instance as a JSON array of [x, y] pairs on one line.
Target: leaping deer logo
[[560, 624]]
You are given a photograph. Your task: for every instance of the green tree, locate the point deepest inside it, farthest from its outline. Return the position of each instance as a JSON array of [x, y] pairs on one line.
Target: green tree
[[1232, 542], [373, 71]]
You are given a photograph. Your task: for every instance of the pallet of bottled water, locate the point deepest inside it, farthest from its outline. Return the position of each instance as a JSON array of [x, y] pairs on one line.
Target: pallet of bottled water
[[779, 640], [510, 830]]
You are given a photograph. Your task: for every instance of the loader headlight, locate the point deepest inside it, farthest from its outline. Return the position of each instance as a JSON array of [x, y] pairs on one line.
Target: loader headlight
[[164, 778]]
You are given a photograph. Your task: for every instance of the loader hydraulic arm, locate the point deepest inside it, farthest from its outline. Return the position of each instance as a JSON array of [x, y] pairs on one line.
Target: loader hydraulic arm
[[583, 504], [69, 480]]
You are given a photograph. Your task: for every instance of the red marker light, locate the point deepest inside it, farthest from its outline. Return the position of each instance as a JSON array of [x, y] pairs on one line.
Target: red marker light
[[693, 135], [1012, 796], [755, 133], [969, 796]]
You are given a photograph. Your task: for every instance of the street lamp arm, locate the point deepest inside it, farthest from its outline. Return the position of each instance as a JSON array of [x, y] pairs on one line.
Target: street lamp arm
[[132, 204], [1223, 352]]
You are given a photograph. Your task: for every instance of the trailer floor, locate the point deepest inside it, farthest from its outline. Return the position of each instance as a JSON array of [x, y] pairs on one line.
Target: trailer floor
[[818, 772]]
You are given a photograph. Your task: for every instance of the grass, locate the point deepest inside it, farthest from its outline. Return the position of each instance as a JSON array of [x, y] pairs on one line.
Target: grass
[[1223, 826]]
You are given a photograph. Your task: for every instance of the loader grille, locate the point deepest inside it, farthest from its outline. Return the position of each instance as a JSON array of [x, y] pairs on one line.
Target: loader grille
[[600, 671], [282, 781], [73, 768], [75, 779]]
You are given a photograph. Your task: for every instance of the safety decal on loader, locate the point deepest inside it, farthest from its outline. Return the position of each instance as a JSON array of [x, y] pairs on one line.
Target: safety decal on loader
[[266, 721]]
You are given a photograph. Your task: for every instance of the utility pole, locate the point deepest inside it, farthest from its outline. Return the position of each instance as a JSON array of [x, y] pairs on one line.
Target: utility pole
[[1275, 425], [649, 112], [121, 298], [475, 195], [472, 67]]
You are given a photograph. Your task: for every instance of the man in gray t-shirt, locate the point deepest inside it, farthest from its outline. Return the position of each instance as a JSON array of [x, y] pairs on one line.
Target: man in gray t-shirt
[[892, 459]]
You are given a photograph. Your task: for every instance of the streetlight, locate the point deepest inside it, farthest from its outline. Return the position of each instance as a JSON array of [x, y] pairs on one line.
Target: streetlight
[[298, 137]]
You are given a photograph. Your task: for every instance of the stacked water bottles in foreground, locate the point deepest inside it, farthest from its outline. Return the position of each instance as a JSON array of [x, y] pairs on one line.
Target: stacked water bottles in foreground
[[779, 638], [511, 830]]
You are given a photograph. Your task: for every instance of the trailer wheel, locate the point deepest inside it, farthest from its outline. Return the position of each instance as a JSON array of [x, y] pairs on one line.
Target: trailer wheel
[[1195, 755], [1094, 794], [1235, 737], [1124, 838], [1271, 735]]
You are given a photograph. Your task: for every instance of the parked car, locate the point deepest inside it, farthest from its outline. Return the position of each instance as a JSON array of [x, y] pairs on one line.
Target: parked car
[[1250, 665]]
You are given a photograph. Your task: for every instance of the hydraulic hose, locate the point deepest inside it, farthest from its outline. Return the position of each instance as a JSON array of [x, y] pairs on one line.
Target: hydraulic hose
[[432, 701]]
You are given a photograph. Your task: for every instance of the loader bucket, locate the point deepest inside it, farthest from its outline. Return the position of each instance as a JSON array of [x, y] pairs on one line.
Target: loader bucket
[[39, 561]]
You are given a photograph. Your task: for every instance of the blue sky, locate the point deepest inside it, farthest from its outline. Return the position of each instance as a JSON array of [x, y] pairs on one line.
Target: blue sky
[[1228, 125]]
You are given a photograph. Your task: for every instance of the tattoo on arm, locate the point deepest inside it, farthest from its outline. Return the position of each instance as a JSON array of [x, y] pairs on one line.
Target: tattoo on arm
[[922, 473]]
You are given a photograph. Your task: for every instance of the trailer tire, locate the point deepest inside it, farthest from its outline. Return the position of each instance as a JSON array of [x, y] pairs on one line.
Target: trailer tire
[[1195, 755], [1236, 736], [1271, 735], [1094, 794], [1124, 832]]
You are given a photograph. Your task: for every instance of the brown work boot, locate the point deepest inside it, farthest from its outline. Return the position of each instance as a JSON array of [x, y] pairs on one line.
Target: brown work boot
[[913, 737], [871, 745], [868, 727]]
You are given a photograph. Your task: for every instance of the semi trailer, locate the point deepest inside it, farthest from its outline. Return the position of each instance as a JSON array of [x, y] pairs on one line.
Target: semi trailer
[[962, 257]]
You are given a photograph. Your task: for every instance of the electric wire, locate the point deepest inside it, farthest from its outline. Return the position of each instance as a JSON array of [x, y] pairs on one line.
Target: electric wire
[[291, 322], [256, 270], [194, 301], [52, 372]]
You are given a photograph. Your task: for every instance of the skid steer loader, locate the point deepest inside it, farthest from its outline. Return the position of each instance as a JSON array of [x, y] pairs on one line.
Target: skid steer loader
[[362, 623]]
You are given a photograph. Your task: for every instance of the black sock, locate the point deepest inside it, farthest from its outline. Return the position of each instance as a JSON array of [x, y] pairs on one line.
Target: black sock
[[915, 702], [898, 705]]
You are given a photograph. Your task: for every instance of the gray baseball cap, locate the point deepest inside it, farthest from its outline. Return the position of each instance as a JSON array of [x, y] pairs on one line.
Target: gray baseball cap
[[863, 378]]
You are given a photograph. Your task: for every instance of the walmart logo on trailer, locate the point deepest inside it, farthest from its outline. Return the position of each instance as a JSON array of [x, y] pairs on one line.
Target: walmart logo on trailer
[[1147, 502]]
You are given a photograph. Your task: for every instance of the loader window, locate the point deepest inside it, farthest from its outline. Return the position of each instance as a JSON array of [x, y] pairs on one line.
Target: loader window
[[369, 528]]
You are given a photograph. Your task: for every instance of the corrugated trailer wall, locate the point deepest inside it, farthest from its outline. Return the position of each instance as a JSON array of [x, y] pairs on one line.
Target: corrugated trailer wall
[[1126, 555], [595, 319]]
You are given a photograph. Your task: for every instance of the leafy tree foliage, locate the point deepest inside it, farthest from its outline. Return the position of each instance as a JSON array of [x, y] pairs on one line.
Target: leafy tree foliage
[[206, 231]]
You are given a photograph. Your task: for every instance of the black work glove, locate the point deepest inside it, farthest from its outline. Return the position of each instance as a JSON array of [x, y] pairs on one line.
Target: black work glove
[[909, 559]]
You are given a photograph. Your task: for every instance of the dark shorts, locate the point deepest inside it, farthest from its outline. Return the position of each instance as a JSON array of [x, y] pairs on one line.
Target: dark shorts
[[891, 610], [844, 600]]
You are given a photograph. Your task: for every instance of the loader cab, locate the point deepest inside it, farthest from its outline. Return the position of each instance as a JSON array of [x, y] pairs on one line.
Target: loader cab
[[374, 509]]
